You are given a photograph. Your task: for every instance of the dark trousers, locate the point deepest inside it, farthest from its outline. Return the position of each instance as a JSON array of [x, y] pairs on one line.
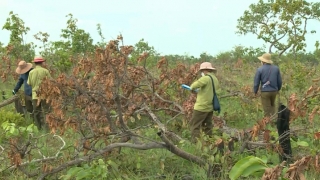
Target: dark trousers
[[268, 102], [27, 102], [40, 110], [18, 106], [284, 133], [201, 121]]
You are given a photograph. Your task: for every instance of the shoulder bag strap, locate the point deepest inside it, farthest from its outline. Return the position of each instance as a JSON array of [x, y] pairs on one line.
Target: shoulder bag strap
[[269, 72], [214, 91]]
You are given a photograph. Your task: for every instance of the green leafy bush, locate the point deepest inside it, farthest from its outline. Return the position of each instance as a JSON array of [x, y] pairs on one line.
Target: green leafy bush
[[11, 130], [11, 117], [12, 125], [96, 170]]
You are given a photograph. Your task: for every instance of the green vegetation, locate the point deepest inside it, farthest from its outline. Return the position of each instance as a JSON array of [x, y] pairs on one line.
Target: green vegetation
[[118, 111]]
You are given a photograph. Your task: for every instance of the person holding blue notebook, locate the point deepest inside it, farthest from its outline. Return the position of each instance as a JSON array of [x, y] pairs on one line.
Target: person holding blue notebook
[[203, 109]]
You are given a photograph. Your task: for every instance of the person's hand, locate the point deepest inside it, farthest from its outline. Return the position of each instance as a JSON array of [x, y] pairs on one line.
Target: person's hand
[[13, 92], [193, 92]]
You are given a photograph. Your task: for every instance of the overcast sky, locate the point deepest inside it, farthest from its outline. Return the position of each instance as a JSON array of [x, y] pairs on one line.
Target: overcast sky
[[171, 26]]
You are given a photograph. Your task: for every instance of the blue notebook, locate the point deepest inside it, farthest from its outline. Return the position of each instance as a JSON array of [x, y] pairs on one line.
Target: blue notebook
[[184, 86]]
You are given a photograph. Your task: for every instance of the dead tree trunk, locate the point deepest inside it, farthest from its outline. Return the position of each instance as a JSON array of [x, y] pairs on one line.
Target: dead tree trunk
[[8, 101]]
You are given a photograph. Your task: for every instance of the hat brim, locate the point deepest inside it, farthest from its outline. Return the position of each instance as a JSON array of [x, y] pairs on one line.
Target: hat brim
[[38, 60], [208, 68], [265, 60], [24, 70]]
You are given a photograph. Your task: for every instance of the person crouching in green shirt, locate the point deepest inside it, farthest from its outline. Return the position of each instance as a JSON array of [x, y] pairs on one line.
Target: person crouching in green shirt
[[35, 78], [203, 108]]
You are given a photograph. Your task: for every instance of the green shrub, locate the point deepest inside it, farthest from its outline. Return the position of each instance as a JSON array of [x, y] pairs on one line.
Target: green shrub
[[11, 117], [98, 169]]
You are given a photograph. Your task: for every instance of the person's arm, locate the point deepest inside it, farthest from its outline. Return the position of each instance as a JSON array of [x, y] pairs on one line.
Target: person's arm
[[279, 81], [256, 82], [29, 82], [19, 84], [199, 83]]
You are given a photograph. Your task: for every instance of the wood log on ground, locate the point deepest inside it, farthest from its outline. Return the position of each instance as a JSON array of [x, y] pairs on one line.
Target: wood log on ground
[[8, 101]]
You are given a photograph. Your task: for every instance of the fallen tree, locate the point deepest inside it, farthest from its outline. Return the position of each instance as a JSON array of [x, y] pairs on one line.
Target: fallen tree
[[98, 100], [9, 101]]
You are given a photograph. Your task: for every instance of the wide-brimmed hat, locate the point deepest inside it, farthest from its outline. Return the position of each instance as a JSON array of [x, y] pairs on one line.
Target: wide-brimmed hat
[[266, 57], [38, 59], [23, 67], [206, 65]]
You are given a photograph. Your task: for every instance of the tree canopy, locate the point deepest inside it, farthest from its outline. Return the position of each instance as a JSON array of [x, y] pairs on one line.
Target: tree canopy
[[280, 23]]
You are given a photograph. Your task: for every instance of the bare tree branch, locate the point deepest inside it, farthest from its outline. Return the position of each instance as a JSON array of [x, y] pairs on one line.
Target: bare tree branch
[[175, 150], [167, 101], [100, 153], [8, 101], [161, 126]]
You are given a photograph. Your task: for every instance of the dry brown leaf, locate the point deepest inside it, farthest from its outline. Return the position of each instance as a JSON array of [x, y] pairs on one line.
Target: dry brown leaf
[[266, 136], [218, 141], [310, 90], [273, 173], [317, 135], [313, 113], [316, 80], [296, 170]]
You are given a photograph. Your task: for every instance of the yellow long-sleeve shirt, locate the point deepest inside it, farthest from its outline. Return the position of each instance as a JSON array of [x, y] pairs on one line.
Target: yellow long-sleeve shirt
[[35, 78], [205, 93]]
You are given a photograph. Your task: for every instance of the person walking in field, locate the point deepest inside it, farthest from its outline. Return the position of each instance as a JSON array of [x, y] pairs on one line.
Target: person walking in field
[[23, 69], [268, 78], [203, 108], [40, 106]]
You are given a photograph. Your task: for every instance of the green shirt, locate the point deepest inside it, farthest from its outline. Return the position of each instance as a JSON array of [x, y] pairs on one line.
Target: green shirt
[[35, 78], [205, 93]]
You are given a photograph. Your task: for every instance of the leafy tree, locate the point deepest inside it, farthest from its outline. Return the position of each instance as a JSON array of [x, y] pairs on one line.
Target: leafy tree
[[17, 28], [77, 39], [19, 48], [142, 48], [191, 59], [240, 52], [205, 57], [317, 54], [75, 43], [304, 57], [43, 37], [102, 43], [1, 48], [281, 23]]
